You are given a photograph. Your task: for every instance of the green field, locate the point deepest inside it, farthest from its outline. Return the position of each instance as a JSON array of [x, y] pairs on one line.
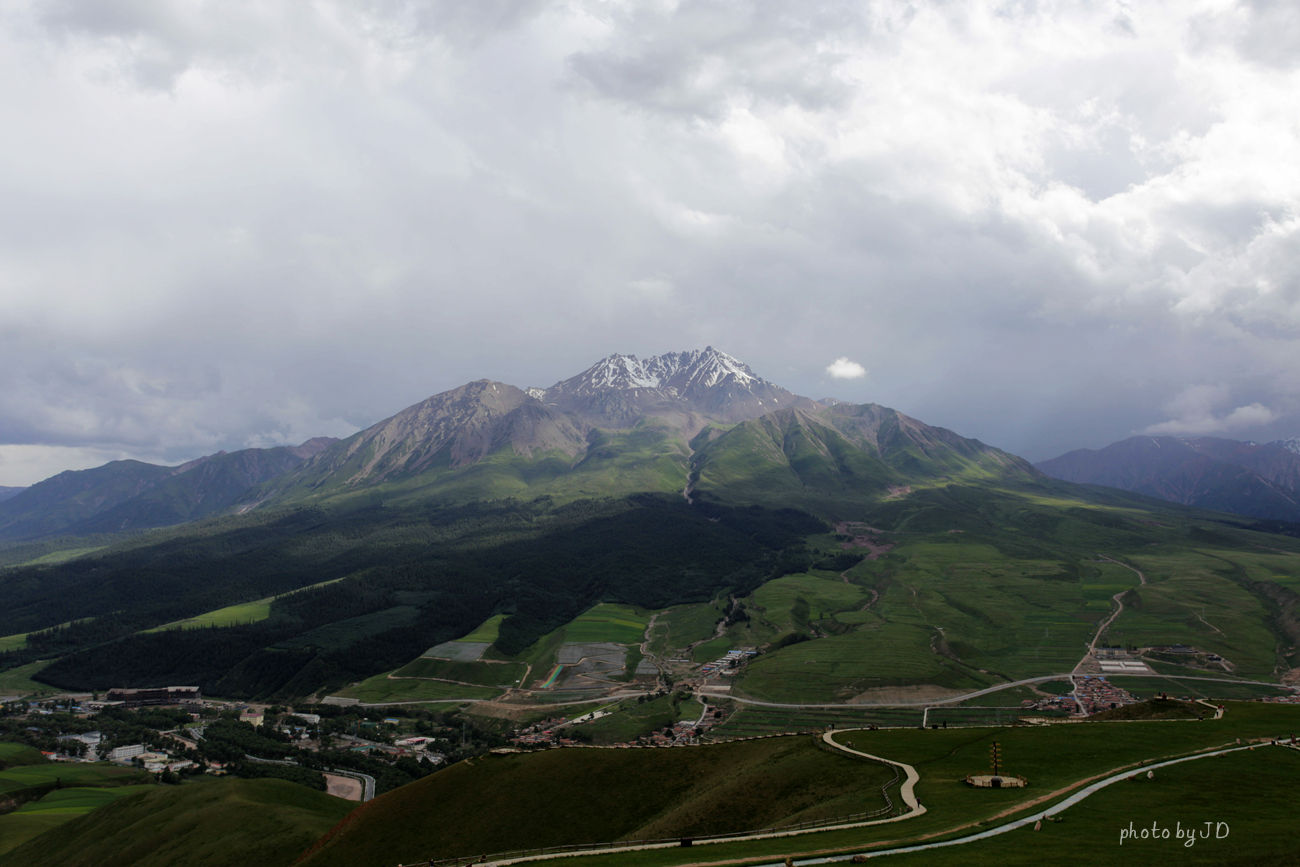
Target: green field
[[607, 622], [635, 720], [233, 615], [217, 824], [18, 681], [16, 755], [487, 631], [380, 689], [551, 797], [36, 817], [60, 556], [1251, 792], [684, 625], [35, 777], [481, 673], [749, 720], [1052, 758], [840, 667]]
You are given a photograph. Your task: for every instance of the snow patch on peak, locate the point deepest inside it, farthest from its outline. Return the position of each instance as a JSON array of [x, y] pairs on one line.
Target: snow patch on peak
[[676, 371], [535, 392], [1292, 444]]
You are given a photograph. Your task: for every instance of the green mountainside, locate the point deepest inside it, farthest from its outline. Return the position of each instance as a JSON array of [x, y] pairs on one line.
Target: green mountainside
[[263, 822], [500, 803], [673, 481]]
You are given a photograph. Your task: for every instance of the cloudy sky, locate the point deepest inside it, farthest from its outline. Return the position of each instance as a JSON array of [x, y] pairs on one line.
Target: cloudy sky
[[1047, 225]]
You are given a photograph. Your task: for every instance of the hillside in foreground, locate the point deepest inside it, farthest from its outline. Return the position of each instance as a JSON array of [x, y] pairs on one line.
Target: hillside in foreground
[[499, 803], [214, 824]]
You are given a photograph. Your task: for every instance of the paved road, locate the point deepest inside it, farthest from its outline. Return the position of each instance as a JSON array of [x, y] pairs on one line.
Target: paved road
[[1011, 826]]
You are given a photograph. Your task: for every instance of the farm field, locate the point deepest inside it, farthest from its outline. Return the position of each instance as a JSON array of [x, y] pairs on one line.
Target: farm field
[[750, 721], [607, 622], [381, 688], [634, 720], [480, 673], [841, 667], [487, 631], [683, 625], [231, 615]]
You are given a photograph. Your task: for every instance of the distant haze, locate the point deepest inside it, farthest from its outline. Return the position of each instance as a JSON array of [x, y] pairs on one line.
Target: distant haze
[[1047, 225]]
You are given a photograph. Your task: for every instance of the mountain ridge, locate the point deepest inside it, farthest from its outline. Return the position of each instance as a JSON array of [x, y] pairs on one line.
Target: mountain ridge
[[1241, 477]]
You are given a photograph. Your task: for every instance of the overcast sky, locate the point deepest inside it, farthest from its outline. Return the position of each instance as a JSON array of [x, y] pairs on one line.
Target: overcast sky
[[1046, 225]]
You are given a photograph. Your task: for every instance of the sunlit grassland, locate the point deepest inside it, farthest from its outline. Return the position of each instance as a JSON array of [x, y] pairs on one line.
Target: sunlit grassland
[[19, 641], [487, 631], [790, 603], [683, 625], [839, 667], [1191, 598], [233, 615], [608, 622], [18, 681]]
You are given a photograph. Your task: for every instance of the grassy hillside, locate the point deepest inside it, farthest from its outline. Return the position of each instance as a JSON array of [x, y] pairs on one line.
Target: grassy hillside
[[499, 803], [1055, 758], [230, 823], [38, 817]]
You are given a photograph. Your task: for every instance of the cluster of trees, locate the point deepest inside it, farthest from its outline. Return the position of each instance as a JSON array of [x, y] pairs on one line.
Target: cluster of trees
[[414, 578]]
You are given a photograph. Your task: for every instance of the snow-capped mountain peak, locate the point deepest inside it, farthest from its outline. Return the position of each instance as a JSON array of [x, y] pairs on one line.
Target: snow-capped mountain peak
[[679, 371], [1291, 445]]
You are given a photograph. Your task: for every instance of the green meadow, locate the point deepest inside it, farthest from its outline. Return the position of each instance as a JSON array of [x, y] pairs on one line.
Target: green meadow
[[18, 681], [487, 631], [381, 688], [608, 623], [36, 817], [481, 673], [216, 824]]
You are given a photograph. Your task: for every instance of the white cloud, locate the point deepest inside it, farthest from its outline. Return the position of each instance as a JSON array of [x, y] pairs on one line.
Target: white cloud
[[1041, 218], [842, 368], [1193, 413]]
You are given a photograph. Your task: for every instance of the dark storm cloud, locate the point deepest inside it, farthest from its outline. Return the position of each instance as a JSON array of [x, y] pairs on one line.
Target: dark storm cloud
[[1046, 225]]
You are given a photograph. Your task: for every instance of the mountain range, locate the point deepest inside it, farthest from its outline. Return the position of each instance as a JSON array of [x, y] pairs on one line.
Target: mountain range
[[698, 422], [133, 495], [1245, 478]]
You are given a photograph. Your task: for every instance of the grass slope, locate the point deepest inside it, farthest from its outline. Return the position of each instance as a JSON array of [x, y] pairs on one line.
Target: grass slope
[[1053, 758], [500, 803], [231, 823], [37, 817]]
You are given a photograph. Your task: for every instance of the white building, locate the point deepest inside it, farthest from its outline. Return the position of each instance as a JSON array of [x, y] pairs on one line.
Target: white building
[[125, 754]]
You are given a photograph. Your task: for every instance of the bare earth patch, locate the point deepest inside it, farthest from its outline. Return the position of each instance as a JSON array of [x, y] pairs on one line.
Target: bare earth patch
[[343, 787]]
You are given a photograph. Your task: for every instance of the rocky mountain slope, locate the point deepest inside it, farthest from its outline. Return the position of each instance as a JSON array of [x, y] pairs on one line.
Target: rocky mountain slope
[[693, 422], [1245, 478]]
